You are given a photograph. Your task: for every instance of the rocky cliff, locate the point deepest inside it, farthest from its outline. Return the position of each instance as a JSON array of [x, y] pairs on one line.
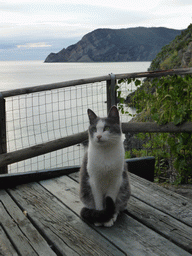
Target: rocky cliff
[[177, 54], [107, 45]]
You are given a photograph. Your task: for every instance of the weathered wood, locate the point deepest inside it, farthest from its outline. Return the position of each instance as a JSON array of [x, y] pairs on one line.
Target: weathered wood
[[65, 231], [111, 92], [181, 71], [3, 144], [163, 223], [154, 127], [22, 154], [22, 227], [150, 74], [6, 248], [40, 149], [131, 236], [52, 86], [13, 231], [14, 179], [162, 199]]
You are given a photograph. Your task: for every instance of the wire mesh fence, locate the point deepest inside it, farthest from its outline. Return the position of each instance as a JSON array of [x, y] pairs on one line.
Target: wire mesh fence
[[44, 116], [39, 117]]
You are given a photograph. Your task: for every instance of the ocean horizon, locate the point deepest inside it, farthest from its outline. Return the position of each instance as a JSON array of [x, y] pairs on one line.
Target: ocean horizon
[[20, 74]]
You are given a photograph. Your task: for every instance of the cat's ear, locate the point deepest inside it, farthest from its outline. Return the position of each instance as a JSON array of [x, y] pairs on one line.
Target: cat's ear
[[92, 116], [114, 113]]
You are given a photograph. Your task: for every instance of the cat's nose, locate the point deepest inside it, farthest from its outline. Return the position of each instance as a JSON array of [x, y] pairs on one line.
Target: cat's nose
[[99, 137]]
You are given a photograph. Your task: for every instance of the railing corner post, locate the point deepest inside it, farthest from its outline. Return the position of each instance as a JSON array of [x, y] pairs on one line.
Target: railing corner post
[[111, 92], [3, 143]]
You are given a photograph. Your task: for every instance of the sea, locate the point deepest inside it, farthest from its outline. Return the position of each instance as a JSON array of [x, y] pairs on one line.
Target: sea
[[21, 74]]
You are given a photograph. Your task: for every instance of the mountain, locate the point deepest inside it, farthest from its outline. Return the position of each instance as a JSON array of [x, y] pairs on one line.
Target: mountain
[[107, 45], [177, 54]]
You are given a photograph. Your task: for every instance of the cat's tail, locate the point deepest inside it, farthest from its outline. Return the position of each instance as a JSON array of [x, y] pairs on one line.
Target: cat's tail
[[96, 216]]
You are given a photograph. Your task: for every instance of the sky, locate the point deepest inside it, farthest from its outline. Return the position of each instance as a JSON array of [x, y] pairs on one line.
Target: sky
[[31, 29]]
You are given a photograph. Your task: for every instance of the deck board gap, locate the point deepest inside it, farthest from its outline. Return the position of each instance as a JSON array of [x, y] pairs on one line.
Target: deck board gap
[[165, 212], [156, 230], [90, 225], [11, 241], [52, 247]]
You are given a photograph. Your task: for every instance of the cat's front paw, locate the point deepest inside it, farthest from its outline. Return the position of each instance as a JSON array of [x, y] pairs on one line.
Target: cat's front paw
[[98, 224], [109, 223]]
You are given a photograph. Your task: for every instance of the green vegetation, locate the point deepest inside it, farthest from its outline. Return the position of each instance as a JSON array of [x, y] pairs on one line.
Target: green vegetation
[[171, 55], [168, 99], [171, 101]]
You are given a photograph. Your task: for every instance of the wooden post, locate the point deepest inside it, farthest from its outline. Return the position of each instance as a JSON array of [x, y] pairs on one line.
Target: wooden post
[[3, 145], [111, 92]]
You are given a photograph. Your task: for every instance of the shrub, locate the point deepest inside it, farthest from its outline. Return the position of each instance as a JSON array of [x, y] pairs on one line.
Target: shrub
[[170, 102]]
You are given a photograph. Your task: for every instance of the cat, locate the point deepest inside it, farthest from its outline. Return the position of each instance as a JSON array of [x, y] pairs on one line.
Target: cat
[[104, 181]]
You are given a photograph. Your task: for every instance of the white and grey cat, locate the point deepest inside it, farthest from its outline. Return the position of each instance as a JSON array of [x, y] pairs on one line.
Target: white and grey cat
[[104, 182]]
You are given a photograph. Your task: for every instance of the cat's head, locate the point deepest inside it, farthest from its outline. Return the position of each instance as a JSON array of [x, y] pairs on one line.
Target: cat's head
[[104, 131]]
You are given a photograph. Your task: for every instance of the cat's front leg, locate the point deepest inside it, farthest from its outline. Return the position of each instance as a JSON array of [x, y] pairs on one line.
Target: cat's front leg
[[112, 192], [98, 197]]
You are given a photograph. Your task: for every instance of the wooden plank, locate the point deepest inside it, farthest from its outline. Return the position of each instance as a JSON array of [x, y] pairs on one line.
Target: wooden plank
[[19, 240], [128, 234], [3, 143], [52, 86], [162, 199], [162, 223], [43, 148], [154, 127], [167, 226], [66, 232], [35, 240], [14, 179], [6, 248], [169, 72]]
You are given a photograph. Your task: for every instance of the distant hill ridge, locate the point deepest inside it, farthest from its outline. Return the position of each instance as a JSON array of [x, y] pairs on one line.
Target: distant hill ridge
[[110, 45]]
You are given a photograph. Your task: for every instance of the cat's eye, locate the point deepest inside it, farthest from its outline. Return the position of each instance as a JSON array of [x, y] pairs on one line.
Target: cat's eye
[[106, 128], [93, 129]]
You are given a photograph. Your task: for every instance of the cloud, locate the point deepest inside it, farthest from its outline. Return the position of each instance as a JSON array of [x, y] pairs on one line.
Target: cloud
[[34, 45]]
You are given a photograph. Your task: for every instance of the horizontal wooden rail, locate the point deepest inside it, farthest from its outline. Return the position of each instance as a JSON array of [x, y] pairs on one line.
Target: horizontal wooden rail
[[40, 149], [151, 74], [154, 127], [46, 87]]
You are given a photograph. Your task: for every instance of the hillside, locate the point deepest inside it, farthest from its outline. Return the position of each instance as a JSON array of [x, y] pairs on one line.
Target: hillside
[[107, 45], [178, 53]]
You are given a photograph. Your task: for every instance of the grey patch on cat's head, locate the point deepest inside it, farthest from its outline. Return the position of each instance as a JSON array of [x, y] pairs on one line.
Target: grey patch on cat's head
[[93, 119], [112, 121], [114, 114], [92, 116], [114, 127]]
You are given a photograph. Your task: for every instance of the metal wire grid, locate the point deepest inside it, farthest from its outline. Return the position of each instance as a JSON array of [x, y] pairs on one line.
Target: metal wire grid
[[44, 116]]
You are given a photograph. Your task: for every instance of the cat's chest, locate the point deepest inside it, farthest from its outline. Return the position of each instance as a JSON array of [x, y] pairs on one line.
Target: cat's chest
[[105, 161]]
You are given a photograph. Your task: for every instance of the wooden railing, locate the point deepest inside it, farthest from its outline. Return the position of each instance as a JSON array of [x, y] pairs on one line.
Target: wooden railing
[[19, 155]]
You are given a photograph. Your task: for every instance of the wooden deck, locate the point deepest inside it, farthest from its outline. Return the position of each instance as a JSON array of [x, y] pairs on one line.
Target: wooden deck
[[42, 218]]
